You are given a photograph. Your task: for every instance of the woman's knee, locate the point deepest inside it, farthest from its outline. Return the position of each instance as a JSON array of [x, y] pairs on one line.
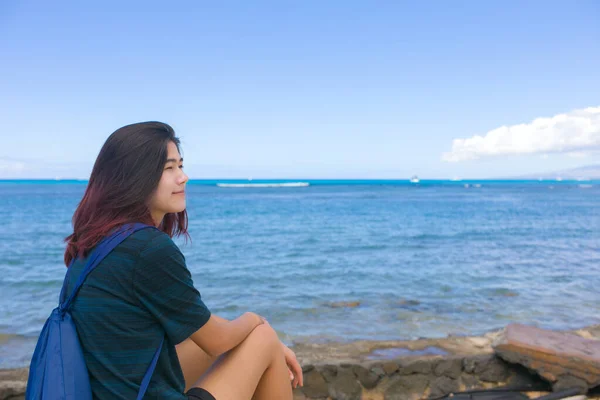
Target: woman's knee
[[267, 337]]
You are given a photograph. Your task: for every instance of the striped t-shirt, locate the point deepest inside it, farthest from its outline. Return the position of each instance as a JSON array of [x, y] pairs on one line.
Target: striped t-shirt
[[141, 292]]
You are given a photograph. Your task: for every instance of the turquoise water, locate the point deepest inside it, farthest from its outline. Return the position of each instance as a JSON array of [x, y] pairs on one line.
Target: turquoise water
[[422, 260]]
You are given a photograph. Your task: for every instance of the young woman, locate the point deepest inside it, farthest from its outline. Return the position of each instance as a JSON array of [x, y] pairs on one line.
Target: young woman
[[143, 292]]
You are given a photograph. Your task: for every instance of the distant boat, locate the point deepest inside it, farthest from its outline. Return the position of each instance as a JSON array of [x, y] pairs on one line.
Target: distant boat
[[558, 179], [455, 179], [415, 179], [262, 185]]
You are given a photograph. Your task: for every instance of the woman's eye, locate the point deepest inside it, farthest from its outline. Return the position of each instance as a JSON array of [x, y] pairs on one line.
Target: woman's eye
[[169, 168], [181, 166]]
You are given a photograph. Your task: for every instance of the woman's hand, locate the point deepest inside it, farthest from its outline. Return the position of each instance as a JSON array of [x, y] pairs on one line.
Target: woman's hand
[[294, 367], [259, 320]]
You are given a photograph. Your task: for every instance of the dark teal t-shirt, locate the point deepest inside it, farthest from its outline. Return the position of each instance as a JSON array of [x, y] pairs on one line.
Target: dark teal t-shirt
[[141, 292]]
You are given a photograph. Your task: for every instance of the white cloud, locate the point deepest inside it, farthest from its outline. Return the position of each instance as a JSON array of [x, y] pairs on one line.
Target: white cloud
[[574, 132]]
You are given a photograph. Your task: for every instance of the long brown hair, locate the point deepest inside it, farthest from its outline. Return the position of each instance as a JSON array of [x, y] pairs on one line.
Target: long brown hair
[[125, 175]]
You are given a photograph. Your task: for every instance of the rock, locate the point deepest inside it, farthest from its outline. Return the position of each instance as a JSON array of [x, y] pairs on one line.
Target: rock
[[551, 354], [12, 389], [410, 387], [417, 367], [406, 302], [479, 342], [443, 385], [469, 365], [17, 374], [368, 379], [495, 370], [584, 334], [594, 331], [493, 335], [345, 386], [378, 370], [344, 304], [470, 381], [451, 368], [390, 367], [315, 386], [523, 379], [569, 382], [487, 367], [298, 395], [307, 368], [329, 372]]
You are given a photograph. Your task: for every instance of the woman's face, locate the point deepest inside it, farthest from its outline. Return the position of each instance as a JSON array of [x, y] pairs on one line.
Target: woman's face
[[169, 196]]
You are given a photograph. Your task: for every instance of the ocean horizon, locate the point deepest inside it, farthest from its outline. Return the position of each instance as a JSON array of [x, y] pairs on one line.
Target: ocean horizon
[[332, 181]]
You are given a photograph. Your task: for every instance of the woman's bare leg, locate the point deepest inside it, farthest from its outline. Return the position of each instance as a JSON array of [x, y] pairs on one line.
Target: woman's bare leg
[[193, 360], [275, 382], [255, 369]]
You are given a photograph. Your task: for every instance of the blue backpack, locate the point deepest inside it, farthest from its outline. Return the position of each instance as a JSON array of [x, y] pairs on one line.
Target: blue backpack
[[57, 370]]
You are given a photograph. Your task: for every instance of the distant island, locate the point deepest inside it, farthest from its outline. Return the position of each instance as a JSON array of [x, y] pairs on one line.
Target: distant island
[[586, 172]]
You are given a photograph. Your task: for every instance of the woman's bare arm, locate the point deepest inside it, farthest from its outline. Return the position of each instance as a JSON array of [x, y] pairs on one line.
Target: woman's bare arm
[[219, 335]]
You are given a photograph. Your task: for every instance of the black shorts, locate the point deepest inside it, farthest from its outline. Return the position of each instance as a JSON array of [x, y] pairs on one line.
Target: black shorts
[[199, 394]]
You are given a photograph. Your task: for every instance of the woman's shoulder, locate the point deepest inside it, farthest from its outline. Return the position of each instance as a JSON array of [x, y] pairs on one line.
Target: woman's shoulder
[[149, 233], [152, 241]]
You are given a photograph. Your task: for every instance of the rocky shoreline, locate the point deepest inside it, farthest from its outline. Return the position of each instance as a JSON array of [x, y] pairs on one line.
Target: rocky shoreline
[[426, 368]]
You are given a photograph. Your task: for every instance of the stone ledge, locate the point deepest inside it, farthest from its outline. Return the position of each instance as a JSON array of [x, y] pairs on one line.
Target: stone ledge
[[404, 379], [349, 374]]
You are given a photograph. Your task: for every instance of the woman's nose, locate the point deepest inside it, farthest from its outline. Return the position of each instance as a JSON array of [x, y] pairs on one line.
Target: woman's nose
[[183, 178]]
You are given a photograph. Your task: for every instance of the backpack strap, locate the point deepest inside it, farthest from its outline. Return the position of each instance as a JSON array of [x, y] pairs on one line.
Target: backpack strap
[[105, 246], [149, 372]]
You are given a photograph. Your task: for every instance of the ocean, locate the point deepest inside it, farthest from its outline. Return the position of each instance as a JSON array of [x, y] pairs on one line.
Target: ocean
[[339, 261]]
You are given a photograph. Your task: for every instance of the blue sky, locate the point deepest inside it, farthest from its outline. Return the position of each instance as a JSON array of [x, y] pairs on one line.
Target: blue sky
[[314, 89]]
